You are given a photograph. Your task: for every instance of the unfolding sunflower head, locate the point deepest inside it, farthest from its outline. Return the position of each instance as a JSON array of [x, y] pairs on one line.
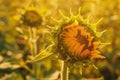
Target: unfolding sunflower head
[[32, 17], [77, 38]]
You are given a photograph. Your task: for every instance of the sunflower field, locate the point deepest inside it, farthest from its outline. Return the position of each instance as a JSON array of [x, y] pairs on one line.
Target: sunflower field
[[59, 40]]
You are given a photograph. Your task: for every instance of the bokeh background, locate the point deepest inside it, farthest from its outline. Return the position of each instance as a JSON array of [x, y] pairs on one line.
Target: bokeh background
[[14, 51]]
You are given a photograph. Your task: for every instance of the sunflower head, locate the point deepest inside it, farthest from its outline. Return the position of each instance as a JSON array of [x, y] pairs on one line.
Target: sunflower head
[[77, 38], [31, 17]]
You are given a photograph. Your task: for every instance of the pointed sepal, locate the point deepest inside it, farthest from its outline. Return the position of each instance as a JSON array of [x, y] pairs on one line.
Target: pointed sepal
[[99, 34], [87, 20], [94, 26]]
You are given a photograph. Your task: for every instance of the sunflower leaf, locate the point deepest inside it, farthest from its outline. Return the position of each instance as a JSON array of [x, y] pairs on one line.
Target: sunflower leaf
[[43, 54]]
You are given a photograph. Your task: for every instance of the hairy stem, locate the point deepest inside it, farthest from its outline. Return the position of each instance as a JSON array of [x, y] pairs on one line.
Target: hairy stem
[[33, 48]]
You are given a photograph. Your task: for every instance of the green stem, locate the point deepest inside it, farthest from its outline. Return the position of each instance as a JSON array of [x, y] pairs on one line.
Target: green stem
[[33, 48], [30, 41], [64, 71], [34, 42], [37, 65], [40, 72]]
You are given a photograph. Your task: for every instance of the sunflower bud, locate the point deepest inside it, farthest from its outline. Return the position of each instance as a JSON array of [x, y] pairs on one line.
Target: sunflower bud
[[77, 39]]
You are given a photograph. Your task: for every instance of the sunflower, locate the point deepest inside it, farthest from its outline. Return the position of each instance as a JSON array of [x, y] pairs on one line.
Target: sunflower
[[79, 42], [30, 16], [78, 39]]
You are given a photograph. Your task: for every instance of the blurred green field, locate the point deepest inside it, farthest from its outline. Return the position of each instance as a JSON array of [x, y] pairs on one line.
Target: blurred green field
[[14, 49]]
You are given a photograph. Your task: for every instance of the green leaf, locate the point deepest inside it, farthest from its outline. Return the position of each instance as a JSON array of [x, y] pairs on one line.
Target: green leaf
[[44, 54]]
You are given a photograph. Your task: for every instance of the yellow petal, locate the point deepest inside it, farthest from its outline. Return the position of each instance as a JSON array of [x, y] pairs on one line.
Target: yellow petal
[[97, 56], [85, 53]]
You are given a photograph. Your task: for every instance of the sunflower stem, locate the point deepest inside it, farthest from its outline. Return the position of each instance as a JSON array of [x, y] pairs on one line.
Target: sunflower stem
[[64, 71], [33, 49]]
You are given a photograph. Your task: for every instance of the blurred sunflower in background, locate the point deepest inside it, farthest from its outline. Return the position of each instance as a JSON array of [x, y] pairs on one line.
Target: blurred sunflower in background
[[32, 17]]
